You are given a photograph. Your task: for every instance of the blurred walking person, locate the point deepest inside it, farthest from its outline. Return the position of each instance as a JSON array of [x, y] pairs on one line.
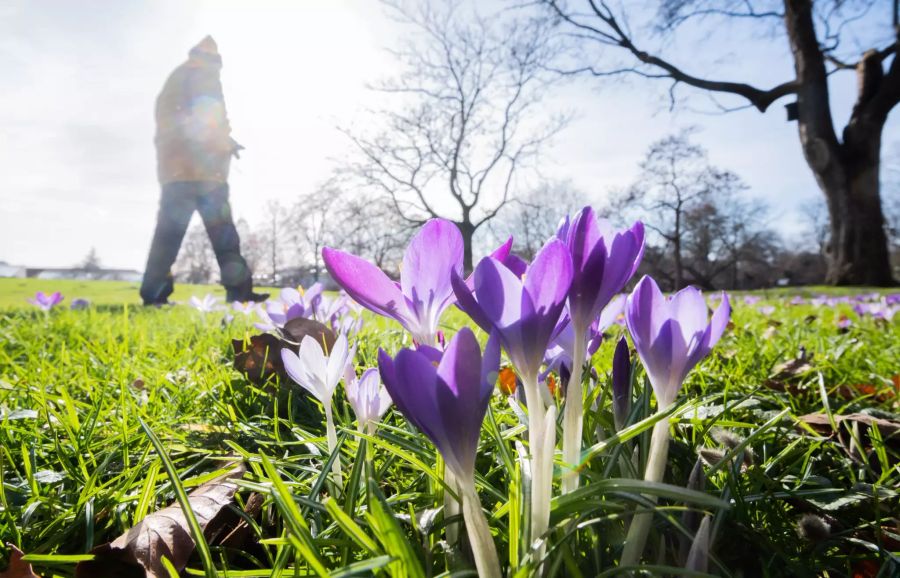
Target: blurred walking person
[[193, 152]]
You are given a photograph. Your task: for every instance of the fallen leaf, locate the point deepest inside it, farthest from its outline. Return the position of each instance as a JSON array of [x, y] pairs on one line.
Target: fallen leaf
[[821, 423], [17, 568], [858, 390], [793, 367], [299, 327], [789, 388], [856, 426], [139, 551], [260, 360]]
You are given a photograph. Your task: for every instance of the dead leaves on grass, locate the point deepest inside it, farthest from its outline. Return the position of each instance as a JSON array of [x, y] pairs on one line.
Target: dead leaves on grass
[[259, 358], [853, 432], [139, 551]]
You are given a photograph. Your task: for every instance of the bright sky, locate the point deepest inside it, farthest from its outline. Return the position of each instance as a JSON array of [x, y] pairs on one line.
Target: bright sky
[[77, 164]]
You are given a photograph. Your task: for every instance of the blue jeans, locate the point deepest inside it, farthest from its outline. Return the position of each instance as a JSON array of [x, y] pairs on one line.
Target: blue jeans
[[176, 206]]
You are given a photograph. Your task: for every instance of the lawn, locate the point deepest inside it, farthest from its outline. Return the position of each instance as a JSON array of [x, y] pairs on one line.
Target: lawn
[[108, 414]]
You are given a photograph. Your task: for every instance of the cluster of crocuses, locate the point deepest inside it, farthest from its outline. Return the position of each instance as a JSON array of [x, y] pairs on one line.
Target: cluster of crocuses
[[46, 302], [339, 312], [549, 313]]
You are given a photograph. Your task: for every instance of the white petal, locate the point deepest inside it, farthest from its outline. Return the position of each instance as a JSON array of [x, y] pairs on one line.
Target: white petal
[[337, 361]]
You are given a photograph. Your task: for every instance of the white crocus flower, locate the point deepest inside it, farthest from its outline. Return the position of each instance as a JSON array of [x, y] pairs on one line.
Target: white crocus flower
[[367, 396], [319, 373], [208, 304]]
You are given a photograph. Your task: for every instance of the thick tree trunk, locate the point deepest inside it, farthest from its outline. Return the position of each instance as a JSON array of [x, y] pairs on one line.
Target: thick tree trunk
[[847, 172], [857, 250], [467, 230]]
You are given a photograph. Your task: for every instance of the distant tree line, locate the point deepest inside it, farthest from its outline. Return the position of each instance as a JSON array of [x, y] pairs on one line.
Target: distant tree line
[[704, 227], [469, 118]]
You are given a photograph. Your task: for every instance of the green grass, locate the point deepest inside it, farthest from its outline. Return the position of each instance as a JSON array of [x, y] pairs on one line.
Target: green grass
[[78, 468], [14, 292]]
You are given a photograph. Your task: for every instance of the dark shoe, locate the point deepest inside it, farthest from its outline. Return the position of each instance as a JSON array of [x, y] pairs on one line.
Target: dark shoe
[[247, 297], [157, 303]]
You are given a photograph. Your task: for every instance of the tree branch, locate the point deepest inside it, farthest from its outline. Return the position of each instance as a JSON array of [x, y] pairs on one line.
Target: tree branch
[[614, 34]]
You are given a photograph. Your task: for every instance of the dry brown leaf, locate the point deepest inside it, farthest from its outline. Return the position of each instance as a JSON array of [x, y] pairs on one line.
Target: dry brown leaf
[[858, 390], [298, 328], [889, 429], [17, 568], [793, 367], [139, 551], [261, 360]]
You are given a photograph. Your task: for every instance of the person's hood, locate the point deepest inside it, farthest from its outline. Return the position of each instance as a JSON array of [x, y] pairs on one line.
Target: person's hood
[[206, 51]]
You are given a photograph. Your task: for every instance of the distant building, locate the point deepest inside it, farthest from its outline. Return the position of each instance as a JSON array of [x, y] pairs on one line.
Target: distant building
[[92, 274], [7, 270]]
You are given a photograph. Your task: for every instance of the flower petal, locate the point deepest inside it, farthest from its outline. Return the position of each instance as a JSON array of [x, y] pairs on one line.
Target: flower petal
[[435, 251], [549, 276], [366, 284]]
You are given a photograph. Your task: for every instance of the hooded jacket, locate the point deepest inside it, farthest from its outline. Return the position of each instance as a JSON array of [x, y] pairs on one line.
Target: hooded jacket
[[193, 137]]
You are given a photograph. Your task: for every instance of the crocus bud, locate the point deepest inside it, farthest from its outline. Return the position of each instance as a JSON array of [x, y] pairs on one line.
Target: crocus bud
[[621, 383], [690, 518], [813, 528], [698, 557]]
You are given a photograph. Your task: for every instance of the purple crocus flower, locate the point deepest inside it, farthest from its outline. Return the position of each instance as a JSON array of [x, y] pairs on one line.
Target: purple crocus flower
[[603, 260], [424, 291], [752, 299], [291, 304], [621, 383], [523, 313], [367, 396], [46, 302], [671, 335], [80, 303], [766, 310], [446, 402]]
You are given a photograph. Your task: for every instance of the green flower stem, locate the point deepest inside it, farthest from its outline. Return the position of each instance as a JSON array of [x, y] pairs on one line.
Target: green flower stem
[[331, 434], [451, 506], [573, 417], [656, 465], [486, 561], [542, 444]]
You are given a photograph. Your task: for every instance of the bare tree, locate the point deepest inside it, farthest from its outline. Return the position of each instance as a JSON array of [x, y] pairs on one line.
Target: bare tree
[[468, 125], [845, 166], [271, 237], [727, 240], [253, 245], [675, 176], [369, 226], [196, 261], [533, 217], [313, 221]]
